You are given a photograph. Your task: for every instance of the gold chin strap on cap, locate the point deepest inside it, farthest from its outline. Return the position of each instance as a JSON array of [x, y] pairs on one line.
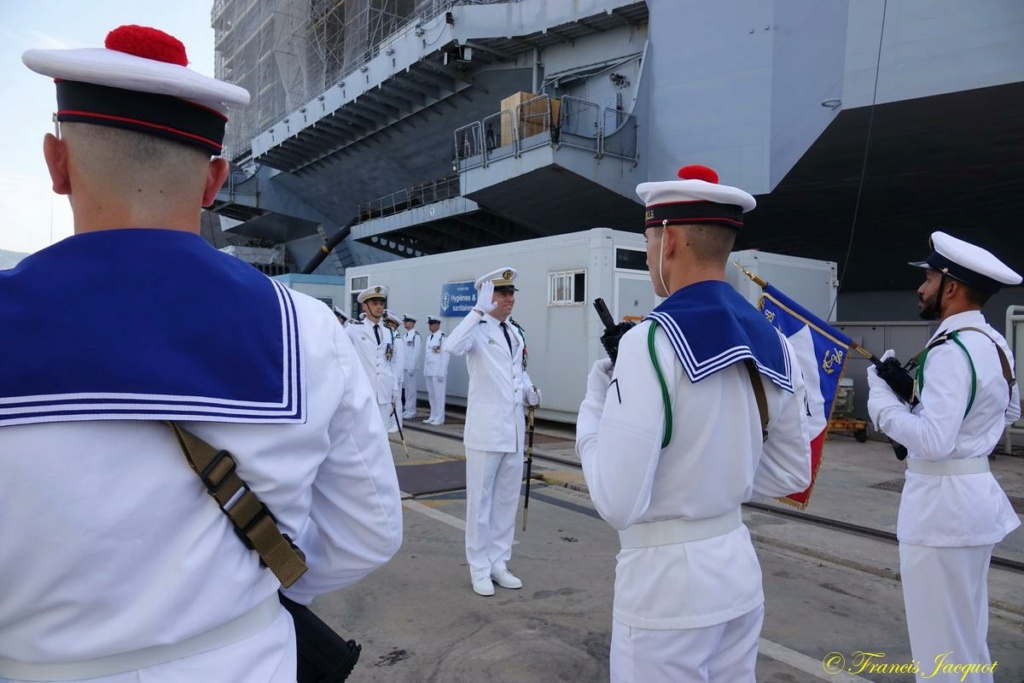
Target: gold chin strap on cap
[[250, 517]]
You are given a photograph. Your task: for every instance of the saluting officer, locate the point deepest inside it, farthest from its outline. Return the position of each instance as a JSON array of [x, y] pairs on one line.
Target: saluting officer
[[495, 350], [375, 344], [412, 353], [952, 510], [435, 372]]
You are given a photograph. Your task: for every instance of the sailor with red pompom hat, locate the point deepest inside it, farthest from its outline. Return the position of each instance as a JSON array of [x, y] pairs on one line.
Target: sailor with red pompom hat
[[701, 411], [133, 343]]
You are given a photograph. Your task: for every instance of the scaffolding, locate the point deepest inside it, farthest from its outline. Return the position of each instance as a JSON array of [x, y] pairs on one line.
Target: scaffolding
[[286, 52]]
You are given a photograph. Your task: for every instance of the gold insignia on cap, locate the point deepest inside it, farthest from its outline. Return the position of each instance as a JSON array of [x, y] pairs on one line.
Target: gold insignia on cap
[[507, 274], [649, 215], [376, 289]]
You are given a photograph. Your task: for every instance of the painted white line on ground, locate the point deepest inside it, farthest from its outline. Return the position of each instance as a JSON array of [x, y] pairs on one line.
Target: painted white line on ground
[[809, 665], [435, 514]]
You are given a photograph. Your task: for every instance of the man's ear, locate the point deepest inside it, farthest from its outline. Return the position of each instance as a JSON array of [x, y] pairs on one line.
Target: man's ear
[[56, 154], [215, 177]]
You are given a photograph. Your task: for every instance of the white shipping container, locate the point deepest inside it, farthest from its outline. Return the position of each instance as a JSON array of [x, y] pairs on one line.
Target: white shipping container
[[811, 283], [559, 278]]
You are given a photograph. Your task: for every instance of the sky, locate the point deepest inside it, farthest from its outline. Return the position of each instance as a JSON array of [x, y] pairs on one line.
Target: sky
[[34, 217]]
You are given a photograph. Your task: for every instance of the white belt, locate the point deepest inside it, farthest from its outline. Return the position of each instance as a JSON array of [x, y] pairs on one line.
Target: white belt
[[250, 623], [959, 466], [669, 531]]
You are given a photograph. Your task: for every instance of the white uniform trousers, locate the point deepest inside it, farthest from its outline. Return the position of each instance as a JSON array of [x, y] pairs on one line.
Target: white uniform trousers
[[436, 395], [409, 382], [493, 482], [723, 653], [945, 594]]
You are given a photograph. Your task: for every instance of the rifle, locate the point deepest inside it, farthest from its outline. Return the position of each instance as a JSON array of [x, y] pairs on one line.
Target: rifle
[[612, 331], [529, 460]]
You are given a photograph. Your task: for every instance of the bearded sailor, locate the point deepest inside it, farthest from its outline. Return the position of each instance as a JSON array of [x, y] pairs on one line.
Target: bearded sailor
[[702, 411]]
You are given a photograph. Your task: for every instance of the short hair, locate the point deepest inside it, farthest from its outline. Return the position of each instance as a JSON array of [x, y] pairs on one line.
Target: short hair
[[709, 243]]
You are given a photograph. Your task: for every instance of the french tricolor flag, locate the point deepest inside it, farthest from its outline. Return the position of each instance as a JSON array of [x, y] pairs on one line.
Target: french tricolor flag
[[821, 352]]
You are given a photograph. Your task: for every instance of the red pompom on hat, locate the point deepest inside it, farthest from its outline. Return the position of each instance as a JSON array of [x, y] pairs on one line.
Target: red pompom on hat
[[148, 43], [696, 199], [698, 172], [139, 81]]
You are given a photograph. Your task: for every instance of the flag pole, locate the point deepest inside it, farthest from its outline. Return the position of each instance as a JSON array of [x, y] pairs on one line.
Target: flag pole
[[853, 345]]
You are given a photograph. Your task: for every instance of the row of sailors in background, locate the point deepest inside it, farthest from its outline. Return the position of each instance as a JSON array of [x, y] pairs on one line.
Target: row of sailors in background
[[392, 358]]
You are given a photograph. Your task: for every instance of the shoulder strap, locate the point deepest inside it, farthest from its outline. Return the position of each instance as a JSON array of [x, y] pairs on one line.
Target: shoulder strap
[[755, 382], [253, 522], [667, 430], [1004, 362], [759, 396]]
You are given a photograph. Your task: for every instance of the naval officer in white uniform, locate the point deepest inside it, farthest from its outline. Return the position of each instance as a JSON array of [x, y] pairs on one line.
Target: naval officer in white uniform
[[413, 354], [116, 564], [375, 343], [672, 443], [952, 510], [393, 322], [435, 372], [495, 350]]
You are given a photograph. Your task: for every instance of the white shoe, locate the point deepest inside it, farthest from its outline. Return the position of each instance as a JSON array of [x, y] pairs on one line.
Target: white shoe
[[428, 421], [437, 423], [392, 429], [483, 587], [506, 579]]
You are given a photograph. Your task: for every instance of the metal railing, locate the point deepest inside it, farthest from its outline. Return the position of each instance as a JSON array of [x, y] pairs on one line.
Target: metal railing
[[411, 197], [543, 121]]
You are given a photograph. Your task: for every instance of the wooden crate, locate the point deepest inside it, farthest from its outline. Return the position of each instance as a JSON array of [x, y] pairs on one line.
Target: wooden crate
[[530, 120]]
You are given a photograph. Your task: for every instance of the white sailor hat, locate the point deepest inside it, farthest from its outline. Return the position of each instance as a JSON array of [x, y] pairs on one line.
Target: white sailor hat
[[967, 263], [503, 279], [139, 81], [340, 313], [431, 320], [390, 316], [696, 198], [406, 318], [373, 292]]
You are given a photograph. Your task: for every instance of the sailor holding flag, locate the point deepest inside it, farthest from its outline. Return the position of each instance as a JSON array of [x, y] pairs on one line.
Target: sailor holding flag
[[702, 411]]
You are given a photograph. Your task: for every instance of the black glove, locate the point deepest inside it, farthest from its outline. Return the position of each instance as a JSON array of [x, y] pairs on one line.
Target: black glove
[[612, 335], [898, 378]]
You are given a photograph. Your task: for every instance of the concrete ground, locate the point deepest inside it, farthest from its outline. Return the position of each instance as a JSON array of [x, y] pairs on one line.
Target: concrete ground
[[826, 591]]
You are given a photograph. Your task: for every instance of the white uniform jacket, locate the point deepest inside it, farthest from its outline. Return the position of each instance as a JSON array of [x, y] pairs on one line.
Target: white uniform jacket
[[964, 509], [378, 359], [413, 350], [111, 543], [494, 410], [714, 462], [435, 358]]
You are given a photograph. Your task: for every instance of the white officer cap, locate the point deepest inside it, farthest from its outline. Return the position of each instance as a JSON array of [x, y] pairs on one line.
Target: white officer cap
[[431, 320], [503, 279], [697, 198], [390, 316], [406, 318], [340, 313], [139, 81], [373, 292], [967, 263]]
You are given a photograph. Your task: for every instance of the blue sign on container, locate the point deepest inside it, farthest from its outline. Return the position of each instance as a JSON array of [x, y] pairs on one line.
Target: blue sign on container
[[457, 299]]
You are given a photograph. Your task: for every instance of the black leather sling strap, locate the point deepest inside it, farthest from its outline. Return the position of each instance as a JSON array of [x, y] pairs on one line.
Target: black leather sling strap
[[250, 517]]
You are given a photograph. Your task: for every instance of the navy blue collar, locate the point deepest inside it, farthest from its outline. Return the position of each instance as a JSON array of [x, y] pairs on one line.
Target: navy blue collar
[[711, 327], [146, 324]]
